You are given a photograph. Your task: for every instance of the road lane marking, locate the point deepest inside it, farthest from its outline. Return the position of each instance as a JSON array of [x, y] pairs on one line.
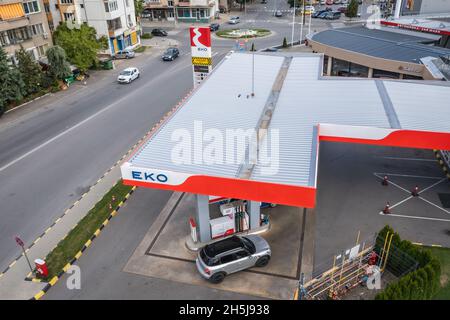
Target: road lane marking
[[413, 217], [408, 159], [434, 184], [406, 175], [433, 204], [393, 183]]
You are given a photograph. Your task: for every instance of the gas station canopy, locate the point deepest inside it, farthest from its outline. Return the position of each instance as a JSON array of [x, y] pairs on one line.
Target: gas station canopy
[[298, 108]]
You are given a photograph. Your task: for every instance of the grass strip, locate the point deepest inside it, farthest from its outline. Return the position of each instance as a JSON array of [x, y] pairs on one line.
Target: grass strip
[[68, 247], [443, 255]]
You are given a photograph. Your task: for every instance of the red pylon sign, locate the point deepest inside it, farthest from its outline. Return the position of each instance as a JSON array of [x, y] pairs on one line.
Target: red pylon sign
[[387, 208]]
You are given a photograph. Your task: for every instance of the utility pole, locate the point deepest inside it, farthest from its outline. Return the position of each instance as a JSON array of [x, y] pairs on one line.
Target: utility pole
[[293, 26], [302, 22]]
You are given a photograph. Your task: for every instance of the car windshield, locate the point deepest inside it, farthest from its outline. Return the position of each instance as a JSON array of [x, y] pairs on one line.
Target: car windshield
[[208, 261], [170, 51], [248, 245], [125, 73]]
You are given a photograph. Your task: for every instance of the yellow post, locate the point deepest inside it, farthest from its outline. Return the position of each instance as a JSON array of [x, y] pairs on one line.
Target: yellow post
[[332, 277], [387, 253], [357, 238], [384, 248], [342, 269]]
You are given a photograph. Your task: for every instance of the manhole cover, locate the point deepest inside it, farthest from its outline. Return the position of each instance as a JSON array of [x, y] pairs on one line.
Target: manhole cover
[[445, 199]]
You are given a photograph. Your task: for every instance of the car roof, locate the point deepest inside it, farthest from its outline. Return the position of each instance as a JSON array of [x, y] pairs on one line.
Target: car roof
[[222, 246], [129, 69]]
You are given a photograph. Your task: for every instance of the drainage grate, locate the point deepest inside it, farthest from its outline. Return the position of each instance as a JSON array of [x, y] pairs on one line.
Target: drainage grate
[[445, 199]]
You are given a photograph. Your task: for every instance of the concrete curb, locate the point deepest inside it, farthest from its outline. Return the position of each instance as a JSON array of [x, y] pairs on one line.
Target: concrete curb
[[55, 279], [28, 102], [428, 245]]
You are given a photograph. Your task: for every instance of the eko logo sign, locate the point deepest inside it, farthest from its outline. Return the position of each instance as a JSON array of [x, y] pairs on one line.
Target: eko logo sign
[[200, 42], [149, 176]]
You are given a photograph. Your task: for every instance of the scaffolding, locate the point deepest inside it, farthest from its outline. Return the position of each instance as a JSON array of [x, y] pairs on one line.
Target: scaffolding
[[356, 266]]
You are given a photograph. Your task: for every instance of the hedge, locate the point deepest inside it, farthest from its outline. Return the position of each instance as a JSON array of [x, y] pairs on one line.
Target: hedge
[[421, 284]]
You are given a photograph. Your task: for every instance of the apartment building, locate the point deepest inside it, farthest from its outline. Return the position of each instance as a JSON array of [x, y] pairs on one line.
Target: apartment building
[[114, 19], [24, 23], [182, 10]]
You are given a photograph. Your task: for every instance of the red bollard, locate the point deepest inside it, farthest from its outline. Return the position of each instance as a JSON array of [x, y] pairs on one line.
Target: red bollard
[[385, 181], [387, 209], [415, 191]]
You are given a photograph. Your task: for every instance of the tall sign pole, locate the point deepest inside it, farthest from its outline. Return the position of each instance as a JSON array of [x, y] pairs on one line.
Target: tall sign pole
[[201, 53], [293, 26], [22, 245]]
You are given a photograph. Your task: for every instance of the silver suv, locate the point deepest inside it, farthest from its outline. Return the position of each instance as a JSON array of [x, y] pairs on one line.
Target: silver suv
[[230, 255]]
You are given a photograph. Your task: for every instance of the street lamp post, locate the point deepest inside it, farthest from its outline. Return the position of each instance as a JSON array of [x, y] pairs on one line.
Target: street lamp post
[[293, 26]]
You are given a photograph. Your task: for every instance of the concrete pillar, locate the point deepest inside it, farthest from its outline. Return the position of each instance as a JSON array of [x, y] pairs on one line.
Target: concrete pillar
[[370, 74], [329, 66], [254, 212], [398, 6], [202, 218]]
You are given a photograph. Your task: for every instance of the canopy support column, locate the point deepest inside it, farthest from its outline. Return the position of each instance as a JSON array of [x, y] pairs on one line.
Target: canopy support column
[[202, 217], [254, 211]]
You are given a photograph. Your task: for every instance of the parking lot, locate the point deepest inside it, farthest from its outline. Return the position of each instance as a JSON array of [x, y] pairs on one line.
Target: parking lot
[[351, 197]]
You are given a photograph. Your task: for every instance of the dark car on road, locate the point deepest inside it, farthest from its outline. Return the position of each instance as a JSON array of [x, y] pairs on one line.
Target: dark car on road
[[278, 13], [171, 54], [320, 12], [335, 15], [159, 33], [214, 26]]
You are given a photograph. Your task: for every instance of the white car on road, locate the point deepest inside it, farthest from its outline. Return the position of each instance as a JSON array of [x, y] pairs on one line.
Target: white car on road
[[234, 20], [128, 75]]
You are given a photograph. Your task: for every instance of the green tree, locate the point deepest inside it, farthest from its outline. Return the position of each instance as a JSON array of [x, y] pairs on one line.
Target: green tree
[[59, 67], [80, 44], [138, 7], [30, 71], [298, 3], [285, 43], [12, 86], [352, 9]]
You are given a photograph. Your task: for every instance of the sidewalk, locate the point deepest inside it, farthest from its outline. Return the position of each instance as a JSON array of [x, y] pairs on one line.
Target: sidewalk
[[12, 283]]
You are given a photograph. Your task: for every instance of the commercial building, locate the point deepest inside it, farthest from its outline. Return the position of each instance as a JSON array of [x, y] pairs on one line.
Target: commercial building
[[24, 23], [181, 10], [286, 110], [380, 53], [114, 19]]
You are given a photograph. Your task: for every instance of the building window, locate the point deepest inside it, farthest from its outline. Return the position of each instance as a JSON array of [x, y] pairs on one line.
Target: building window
[[4, 40], [41, 50], [114, 24], [170, 3], [184, 13], [127, 2], [36, 29], [67, 1], [130, 20], [385, 74], [111, 6], [31, 7], [343, 68], [69, 16], [47, 7]]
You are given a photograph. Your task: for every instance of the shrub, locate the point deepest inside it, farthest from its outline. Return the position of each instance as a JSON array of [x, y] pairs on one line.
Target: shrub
[[146, 36], [285, 43], [420, 284]]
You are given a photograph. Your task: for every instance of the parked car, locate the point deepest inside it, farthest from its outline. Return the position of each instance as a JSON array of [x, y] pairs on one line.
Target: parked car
[[323, 14], [219, 259], [344, 2], [263, 1], [128, 75], [337, 1], [319, 12], [214, 26], [271, 49], [323, 2], [334, 15], [170, 54], [159, 33], [329, 2], [124, 54], [308, 10], [278, 13], [234, 20]]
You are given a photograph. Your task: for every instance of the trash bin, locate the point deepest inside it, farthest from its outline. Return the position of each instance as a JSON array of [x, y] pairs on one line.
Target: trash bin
[[41, 267], [107, 64], [70, 79]]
